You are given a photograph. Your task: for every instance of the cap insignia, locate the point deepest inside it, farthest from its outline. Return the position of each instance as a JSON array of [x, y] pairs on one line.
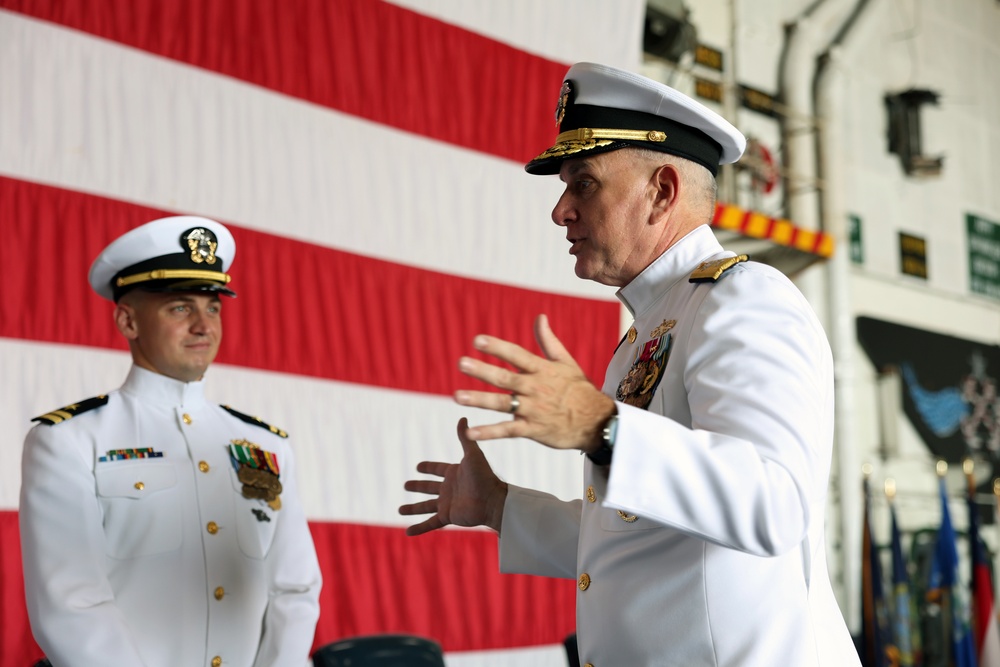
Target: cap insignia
[[564, 93], [202, 244]]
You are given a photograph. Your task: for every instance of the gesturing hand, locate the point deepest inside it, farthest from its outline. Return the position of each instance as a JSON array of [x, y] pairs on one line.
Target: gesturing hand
[[469, 495], [556, 404]]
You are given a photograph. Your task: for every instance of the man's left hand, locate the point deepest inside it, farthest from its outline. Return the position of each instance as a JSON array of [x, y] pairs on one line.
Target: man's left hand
[[556, 404]]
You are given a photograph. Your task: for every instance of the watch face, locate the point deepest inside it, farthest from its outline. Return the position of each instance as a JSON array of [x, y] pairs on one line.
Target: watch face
[[611, 431], [602, 456]]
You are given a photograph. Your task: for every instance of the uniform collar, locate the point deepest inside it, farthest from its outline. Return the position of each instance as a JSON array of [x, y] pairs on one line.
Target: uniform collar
[[162, 390], [674, 264]]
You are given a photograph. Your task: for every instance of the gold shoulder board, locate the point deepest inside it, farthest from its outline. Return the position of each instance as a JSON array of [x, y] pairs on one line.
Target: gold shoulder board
[[256, 421], [709, 272], [69, 411]]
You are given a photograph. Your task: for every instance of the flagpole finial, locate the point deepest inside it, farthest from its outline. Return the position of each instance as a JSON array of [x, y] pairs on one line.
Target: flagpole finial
[[866, 470], [890, 488], [996, 487], [968, 465], [941, 467]]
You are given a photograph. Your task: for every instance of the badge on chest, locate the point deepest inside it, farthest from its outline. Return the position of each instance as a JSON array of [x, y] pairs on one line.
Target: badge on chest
[[648, 363], [258, 471]]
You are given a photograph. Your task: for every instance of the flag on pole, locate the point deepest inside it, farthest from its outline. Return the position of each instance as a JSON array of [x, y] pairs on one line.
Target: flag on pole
[[984, 623], [945, 584], [902, 625], [874, 631]]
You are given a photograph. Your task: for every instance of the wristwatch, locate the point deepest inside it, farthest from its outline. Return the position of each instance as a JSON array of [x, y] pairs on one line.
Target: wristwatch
[[602, 456]]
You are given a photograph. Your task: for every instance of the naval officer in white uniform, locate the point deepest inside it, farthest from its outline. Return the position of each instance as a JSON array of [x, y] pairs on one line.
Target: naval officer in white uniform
[[158, 529], [698, 539]]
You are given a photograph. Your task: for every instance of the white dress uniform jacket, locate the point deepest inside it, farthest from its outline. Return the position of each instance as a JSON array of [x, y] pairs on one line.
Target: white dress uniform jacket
[[702, 544], [162, 561]]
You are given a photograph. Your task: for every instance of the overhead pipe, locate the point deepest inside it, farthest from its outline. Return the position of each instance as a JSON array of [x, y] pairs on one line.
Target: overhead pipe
[[823, 22], [828, 102]]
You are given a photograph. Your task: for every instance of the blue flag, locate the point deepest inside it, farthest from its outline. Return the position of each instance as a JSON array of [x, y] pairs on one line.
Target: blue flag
[[944, 582]]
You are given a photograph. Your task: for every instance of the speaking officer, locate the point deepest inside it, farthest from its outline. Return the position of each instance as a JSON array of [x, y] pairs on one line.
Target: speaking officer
[[158, 529], [698, 538]]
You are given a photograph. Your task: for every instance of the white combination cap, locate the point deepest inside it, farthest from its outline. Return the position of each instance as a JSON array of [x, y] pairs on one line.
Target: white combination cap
[[182, 253], [602, 108]]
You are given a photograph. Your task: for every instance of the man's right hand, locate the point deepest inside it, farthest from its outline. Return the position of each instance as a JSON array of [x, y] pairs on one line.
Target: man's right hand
[[470, 494]]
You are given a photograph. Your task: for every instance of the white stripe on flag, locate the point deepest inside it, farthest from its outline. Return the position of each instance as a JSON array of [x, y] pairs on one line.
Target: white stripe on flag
[[610, 34], [355, 445], [537, 656]]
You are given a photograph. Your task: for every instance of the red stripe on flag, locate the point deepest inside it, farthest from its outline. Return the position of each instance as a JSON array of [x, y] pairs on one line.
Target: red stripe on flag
[[446, 586], [302, 309], [17, 647], [367, 58]]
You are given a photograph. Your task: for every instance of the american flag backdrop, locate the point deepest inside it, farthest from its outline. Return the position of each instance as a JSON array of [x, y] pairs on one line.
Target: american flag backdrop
[[368, 157]]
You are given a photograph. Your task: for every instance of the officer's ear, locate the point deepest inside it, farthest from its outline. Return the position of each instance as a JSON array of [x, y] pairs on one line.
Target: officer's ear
[[125, 319], [666, 182]]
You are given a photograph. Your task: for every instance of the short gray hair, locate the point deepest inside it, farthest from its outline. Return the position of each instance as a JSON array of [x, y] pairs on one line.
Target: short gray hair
[[705, 189]]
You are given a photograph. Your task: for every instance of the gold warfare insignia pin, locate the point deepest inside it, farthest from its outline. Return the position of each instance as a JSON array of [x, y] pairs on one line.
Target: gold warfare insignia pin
[[258, 471], [564, 94], [666, 326], [202, 244]]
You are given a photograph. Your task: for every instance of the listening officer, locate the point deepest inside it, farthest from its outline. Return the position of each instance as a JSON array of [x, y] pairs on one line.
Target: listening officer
[[698, 538], [158, 529]]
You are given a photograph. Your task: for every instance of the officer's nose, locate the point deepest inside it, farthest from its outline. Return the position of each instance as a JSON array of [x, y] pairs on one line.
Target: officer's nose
[[563, 213]]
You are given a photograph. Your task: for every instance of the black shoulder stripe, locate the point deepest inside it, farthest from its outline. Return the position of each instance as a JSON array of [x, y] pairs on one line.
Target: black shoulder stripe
[[256, 421], [72, 410]]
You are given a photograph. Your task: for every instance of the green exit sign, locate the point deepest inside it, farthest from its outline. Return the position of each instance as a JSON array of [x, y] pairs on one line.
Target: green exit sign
[[857, 245], [984, 256]]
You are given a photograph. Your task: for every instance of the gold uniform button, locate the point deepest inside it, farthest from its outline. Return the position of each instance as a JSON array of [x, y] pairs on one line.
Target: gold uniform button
[[632, 334], [216, 661], [140, 486], [212, 527], [589, 665], [220, 593], [584, 582], [591, 496], [187, 418], [203, 466]]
